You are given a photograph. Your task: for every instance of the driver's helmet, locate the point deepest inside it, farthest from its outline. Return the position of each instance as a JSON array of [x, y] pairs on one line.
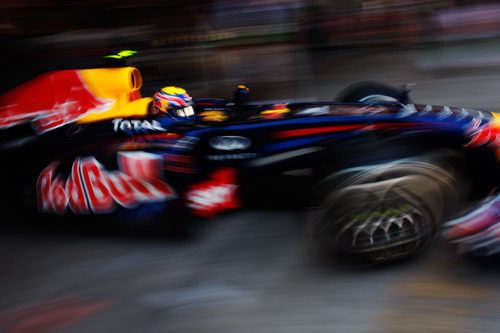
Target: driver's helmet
[[173, 101]]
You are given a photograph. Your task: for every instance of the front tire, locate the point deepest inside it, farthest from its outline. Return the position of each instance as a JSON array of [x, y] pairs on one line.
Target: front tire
[[386, 213]]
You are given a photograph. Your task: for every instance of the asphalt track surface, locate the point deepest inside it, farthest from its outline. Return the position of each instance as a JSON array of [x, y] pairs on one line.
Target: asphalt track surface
[[255, 271]]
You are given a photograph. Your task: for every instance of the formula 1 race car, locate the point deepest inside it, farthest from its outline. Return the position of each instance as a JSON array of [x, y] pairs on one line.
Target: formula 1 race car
[[380, 174]]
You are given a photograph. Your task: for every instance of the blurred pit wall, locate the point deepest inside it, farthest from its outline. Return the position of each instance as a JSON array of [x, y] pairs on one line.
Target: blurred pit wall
[[282, 49]]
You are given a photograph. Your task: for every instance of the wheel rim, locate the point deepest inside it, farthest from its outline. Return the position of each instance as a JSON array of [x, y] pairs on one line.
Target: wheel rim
[[382, 230]]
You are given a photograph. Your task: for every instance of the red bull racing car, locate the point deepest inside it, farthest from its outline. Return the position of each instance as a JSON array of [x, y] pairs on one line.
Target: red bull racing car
[[380, 174]]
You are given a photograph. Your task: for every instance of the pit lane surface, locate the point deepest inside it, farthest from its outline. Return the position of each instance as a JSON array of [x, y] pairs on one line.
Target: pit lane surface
[[246, 272], [253, 271]]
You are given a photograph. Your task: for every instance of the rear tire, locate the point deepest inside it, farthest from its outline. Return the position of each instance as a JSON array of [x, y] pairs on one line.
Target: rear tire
[[371, 92]]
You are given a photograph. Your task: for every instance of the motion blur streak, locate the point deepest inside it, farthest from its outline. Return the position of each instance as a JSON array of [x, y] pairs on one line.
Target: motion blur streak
[[50, 316], [251, 271]]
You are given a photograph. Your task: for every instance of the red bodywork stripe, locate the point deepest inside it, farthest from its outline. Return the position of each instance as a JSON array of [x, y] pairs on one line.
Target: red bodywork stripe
[[157, 136], [340, 128], [316, 130]]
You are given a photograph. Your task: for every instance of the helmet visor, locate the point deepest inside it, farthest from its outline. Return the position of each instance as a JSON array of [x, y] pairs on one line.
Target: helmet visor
[[187, 111]]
